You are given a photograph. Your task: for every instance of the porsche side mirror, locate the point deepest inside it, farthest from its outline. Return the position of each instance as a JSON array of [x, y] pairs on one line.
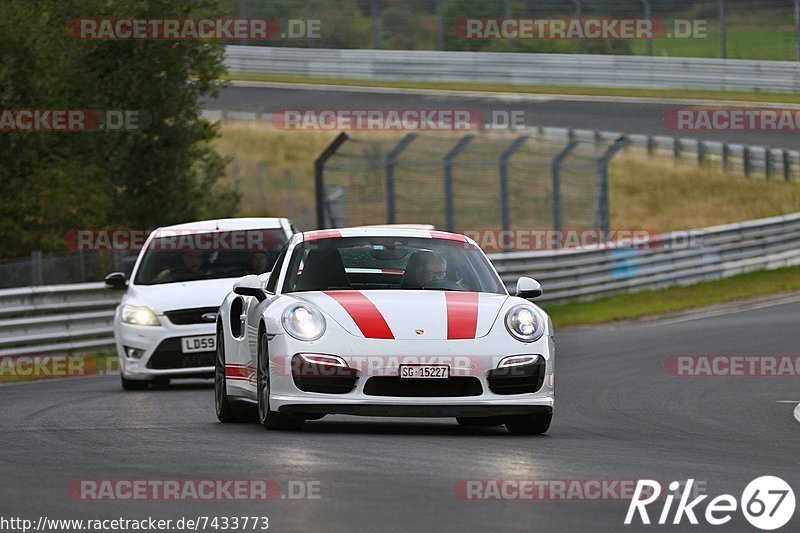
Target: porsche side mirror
[[528, 288], [116, 281], [250, 286]]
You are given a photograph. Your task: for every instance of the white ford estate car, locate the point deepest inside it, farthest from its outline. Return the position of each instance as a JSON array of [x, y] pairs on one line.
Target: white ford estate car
[[165, 324]]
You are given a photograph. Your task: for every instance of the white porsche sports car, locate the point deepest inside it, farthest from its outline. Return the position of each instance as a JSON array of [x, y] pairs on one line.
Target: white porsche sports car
[[385, 321]]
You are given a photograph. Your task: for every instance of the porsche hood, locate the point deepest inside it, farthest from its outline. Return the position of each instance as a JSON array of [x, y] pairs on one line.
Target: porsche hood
[[408, 314]]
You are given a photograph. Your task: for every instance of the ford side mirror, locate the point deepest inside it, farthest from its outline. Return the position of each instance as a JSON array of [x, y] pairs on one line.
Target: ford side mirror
[[528, 288], [116, 281]]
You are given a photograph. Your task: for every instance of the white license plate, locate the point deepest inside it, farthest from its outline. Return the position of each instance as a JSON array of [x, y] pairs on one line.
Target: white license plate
[[424, 371], [203, 343]]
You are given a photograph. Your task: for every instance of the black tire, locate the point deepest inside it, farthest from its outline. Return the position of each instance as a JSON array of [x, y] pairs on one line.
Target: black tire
[[225, 408], [270, 419], [131, 384], [483, 421], [529, 424]]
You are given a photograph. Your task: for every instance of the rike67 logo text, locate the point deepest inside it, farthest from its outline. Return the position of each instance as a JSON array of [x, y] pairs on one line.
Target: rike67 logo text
[[767, 502]]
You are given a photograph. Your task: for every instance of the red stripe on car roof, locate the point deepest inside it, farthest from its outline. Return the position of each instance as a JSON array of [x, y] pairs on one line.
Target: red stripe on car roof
[[364, 313], [321, 234]]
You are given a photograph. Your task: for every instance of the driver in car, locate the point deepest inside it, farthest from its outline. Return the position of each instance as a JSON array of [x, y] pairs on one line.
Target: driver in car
[[191, 267], [433, 268]]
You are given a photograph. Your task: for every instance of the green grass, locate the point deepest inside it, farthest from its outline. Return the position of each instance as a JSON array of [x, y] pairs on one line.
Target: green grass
[[676, 299], [677, 94], [769, 44]]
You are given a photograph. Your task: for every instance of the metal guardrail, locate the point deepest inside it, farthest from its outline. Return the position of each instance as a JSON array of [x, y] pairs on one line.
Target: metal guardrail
[[520, 68], [56, 318], [66, 318]]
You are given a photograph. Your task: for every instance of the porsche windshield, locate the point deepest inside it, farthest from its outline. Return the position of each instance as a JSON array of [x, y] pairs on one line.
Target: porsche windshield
[[217, 255], [370, 263]]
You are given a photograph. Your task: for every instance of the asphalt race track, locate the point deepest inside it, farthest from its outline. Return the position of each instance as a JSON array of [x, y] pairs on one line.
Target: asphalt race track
[[619, 416], [637, 116]]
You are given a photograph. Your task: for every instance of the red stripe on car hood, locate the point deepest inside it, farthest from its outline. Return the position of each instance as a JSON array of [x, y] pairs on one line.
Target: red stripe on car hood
[[364, 313], [462, 314]]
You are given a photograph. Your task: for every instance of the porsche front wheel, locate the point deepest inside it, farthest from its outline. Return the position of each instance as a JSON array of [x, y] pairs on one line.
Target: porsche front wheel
[[268, 418]]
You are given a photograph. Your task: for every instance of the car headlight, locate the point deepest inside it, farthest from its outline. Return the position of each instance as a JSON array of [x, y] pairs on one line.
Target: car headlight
[[303, 322], [139, 316], [524, 323]]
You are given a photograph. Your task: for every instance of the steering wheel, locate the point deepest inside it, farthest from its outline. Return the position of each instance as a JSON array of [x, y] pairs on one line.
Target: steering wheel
[[444, 285]]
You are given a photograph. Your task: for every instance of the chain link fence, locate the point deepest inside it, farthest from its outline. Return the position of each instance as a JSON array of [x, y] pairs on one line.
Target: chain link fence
[[59, 268], [468, 182], [736, 29]]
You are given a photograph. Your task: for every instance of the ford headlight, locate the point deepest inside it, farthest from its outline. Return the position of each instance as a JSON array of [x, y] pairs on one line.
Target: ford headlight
[[139, 316], [303, 322], [524, 323]]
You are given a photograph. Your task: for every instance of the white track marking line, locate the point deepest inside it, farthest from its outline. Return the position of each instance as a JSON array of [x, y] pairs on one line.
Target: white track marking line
[[541, 97], [722, 312], [797, 412]]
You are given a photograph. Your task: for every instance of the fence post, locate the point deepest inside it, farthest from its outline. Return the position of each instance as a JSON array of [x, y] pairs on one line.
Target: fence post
[[319, 176], [601, 204], [647, 15], [310, 16], [261, 178], [579, 15], [504, 157], [787, 163], [391, 157], [701, 152], [289, 192], [797, 28], [373, 16], [676, 148], [507, 15], [723, 38], [448, 179], [651, 144], [555, 170], [37, 277], [439, 25]]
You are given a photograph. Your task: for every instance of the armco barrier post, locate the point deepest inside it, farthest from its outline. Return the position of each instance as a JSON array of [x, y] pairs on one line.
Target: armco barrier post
[[504, 157], [391, 157], [36, 268], [787, 163], [319, 177], [726, 154], [746, 159], [767, 163], [448, 179], [556, 175]]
